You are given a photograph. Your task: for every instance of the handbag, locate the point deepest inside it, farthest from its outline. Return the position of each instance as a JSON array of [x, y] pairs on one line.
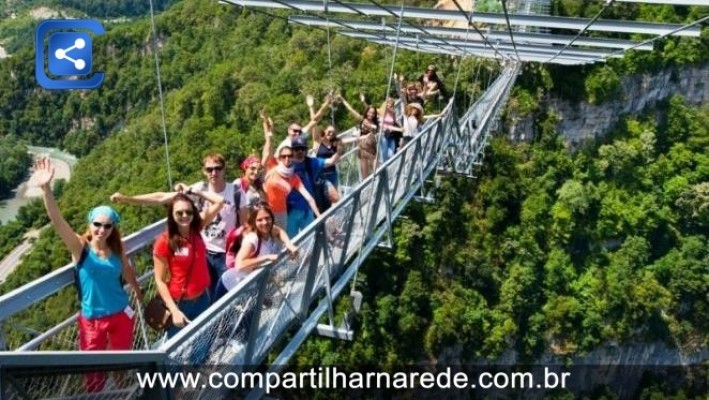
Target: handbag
[[156, 313], [157, 316]]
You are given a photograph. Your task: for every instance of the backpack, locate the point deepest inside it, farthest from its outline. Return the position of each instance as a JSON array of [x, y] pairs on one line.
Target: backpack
[[233, 243], [237, 197]]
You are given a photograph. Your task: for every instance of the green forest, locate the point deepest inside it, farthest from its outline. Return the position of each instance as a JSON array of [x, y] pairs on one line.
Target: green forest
[[14, 161], [551, 250]]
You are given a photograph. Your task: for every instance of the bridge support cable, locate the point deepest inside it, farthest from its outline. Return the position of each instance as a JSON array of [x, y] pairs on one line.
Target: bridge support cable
[[154, 43], [509, 28], [698, 22], [607, 4], [470, 23]]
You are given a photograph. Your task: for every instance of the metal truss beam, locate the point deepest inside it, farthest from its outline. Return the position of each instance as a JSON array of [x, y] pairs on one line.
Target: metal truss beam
[[529, 48], [541, 21], [486, 53], [501, 36]]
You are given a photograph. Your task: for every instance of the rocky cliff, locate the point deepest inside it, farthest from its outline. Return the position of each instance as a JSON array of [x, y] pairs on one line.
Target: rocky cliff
[[580, 121]]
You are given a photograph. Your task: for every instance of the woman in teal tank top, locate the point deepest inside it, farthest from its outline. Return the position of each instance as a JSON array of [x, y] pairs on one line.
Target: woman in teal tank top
[[106, 320]]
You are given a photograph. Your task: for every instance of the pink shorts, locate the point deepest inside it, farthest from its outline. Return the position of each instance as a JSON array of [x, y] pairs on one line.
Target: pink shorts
[[113, 332]]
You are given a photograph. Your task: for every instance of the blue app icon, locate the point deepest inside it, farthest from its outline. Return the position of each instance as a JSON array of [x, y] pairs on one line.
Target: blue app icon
[[68, 56], [69, 53]]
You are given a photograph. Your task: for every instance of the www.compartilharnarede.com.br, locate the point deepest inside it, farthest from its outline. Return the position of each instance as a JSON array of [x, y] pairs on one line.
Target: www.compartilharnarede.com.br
[[332, 378]]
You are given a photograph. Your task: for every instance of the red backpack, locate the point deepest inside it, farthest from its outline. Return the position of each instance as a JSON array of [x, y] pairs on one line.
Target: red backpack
[[233, 243]]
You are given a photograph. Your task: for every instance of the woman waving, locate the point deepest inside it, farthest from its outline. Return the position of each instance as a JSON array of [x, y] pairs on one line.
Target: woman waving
[[106, 319]]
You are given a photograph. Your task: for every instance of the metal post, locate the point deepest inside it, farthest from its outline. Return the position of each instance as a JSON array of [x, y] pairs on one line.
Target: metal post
[[253, 329], [355, 207], [388, 204], [374, 208], [320, 240]]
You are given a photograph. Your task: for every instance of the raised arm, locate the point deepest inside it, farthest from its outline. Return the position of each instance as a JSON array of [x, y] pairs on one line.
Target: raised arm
[[349, 108], [267, 124], [400, 88], [310, 101], [317, 136], [43, 174], [155, 198], [216, 203], [318, 115]]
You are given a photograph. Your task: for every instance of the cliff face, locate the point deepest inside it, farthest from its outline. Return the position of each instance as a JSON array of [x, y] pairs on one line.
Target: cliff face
[[580, 121]]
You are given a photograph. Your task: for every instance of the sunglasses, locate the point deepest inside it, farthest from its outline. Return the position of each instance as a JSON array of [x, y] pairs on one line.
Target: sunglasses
[[255, 168], [329, 132], [97, 224], [209, 170], [284, 156], [184, 213]]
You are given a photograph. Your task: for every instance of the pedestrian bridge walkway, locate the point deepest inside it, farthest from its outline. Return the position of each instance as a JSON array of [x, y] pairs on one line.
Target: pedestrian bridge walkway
[[289, 299]]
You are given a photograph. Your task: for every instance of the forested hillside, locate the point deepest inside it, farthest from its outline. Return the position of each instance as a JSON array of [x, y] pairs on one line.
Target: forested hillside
[[14, 161], [549, 250]]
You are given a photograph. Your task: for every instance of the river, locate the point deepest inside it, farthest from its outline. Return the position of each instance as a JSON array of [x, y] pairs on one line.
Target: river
[[63, 164]]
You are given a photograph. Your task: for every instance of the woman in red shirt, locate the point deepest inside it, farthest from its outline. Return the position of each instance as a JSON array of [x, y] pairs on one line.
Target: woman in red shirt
[[181, 253]]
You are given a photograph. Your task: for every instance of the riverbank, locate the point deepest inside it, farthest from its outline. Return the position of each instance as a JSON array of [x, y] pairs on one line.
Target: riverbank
[[26, 191]]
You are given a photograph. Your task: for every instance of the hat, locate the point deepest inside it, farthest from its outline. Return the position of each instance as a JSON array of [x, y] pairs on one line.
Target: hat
[[248, 161], [431, 67], [416, 106], [107, 211], [299, 142], [284, 145]]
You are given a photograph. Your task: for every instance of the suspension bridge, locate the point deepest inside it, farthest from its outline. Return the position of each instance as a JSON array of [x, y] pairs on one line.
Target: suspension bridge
[[291, 298]]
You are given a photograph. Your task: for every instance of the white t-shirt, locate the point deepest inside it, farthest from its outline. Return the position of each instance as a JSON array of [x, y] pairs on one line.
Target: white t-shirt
[[233, 276], [214, 234], [411, 126], [248, 198]]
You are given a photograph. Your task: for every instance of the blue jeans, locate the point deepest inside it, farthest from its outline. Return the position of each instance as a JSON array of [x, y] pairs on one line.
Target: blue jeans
[[192, 309], [217, 266], [298, 220], [388, 147]]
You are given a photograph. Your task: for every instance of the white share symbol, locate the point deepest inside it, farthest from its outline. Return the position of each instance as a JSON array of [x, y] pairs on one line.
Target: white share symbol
[[60, 54]]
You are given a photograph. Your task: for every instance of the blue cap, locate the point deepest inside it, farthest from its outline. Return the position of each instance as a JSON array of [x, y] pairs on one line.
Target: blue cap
[[298, 142], [104, 210]]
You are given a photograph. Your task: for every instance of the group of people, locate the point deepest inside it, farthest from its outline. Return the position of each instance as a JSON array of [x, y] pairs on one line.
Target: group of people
[[395, 134], [217, 232]]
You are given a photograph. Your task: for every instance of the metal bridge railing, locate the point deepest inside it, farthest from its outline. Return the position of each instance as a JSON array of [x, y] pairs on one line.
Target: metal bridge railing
[[273, 298]]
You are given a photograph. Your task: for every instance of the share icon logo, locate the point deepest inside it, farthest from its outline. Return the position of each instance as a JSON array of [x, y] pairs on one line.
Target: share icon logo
[[68, 56], [62, 46]]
